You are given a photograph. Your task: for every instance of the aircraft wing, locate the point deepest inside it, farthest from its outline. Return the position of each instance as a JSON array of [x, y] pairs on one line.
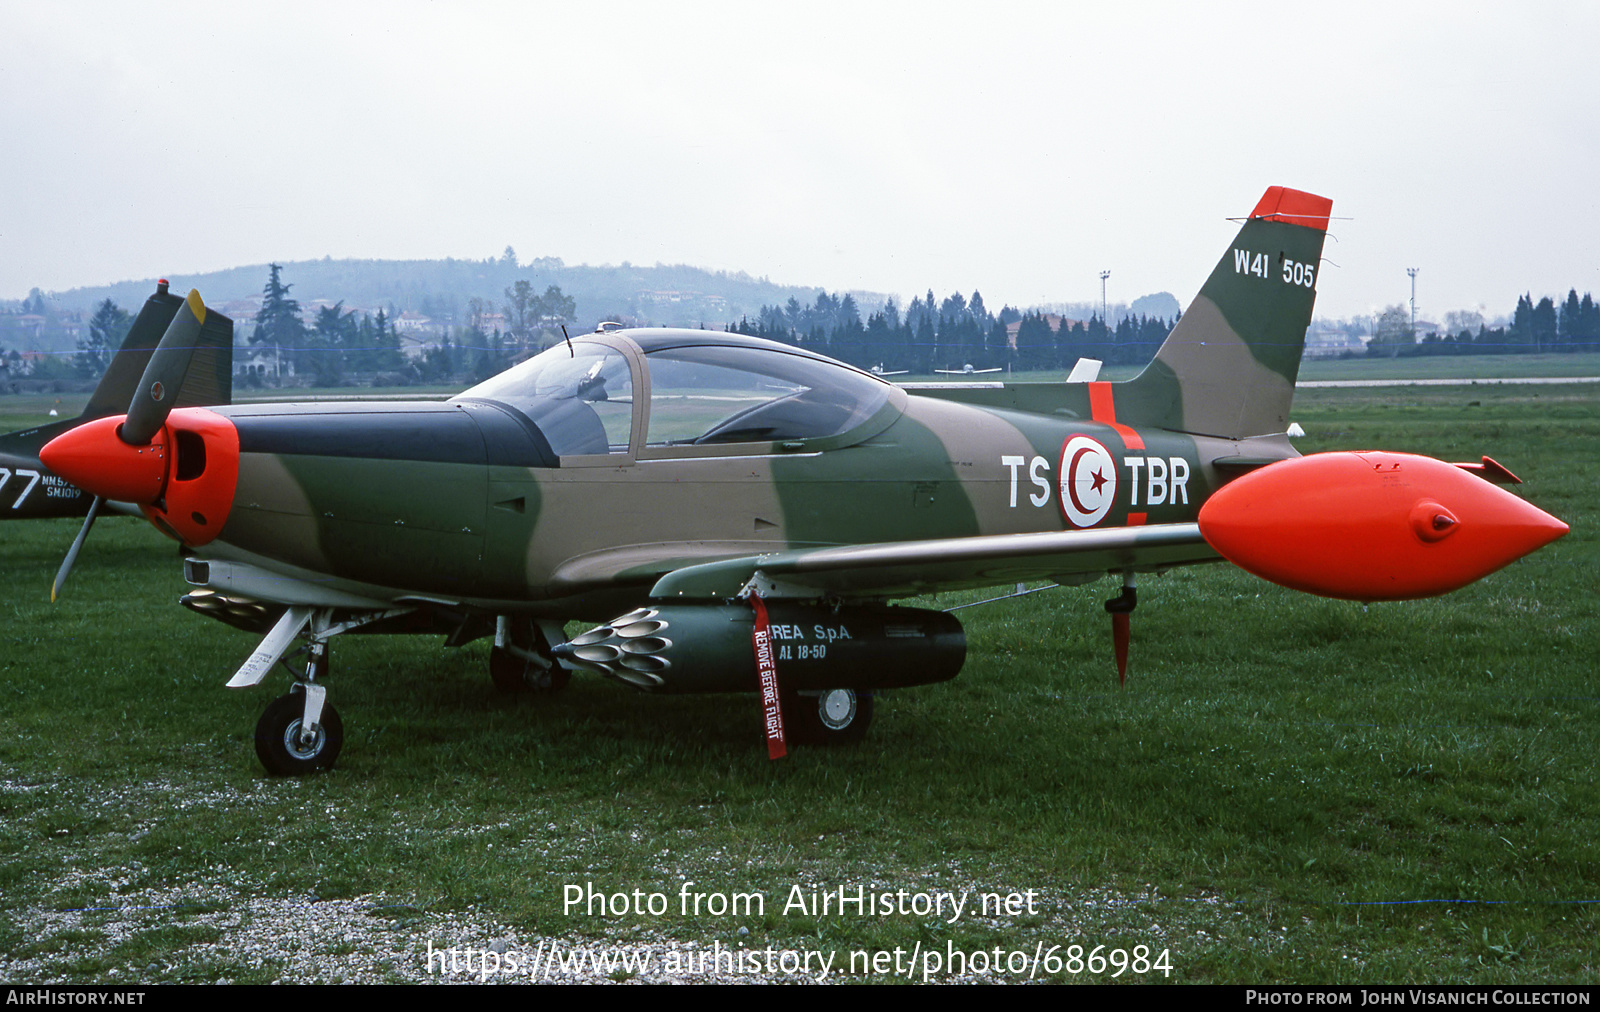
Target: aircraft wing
[[905, 568]]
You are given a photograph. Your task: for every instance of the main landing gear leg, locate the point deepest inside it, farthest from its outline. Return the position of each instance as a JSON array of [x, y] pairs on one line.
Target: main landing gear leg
[[1120, 608], [300, 732]]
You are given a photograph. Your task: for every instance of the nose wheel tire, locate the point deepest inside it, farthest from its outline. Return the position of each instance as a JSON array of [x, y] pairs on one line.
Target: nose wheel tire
[[278, 739], [836, 717]]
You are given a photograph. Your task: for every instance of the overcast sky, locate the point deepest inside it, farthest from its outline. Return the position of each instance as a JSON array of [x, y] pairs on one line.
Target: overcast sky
[[1015, 148]]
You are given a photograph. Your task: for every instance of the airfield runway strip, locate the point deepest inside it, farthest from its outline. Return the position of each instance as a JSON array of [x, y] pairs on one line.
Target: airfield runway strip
[[1445, 382]]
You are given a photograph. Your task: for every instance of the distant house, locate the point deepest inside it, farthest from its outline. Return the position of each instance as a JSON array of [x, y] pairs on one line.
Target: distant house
[[710, 304], [415, 345], [29, 361], [261, 363], [664, 298], [26, 325], [413, 323]]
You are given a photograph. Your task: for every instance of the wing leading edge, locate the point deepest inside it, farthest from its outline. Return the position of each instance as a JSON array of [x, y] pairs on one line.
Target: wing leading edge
[[908, 568]]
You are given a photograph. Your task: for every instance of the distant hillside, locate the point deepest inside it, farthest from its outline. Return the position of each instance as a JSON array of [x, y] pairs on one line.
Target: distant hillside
[[663, 295], [430, 297]]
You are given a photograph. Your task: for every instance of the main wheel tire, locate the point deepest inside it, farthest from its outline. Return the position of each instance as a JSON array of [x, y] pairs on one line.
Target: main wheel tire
[[836, 717], [278, 743]]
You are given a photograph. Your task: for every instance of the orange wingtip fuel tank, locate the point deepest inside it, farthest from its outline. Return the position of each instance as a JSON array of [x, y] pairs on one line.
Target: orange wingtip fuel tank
[[184, 479], [1372, 526]]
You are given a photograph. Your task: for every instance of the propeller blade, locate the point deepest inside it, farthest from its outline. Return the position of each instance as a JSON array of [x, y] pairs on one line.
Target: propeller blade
[[72, 553], [163, 378]]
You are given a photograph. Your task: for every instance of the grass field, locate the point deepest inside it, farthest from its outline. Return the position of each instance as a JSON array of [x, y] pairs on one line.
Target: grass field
[[1288, 789]]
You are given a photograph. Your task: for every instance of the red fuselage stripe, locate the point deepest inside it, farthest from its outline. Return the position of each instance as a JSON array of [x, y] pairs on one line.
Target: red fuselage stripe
[[1104, 411]]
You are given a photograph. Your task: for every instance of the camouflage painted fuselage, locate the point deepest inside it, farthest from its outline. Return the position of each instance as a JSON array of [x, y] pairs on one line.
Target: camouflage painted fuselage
[[454, 524]]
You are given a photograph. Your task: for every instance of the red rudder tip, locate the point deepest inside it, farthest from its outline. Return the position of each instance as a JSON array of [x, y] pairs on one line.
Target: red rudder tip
[[1296, 207]]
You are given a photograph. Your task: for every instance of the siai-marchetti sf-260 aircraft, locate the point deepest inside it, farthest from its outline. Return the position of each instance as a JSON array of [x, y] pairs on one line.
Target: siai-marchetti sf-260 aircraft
[[29, 490], [738, 513]]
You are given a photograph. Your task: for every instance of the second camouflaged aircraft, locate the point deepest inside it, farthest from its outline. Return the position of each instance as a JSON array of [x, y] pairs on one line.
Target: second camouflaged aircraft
[[738, 512]]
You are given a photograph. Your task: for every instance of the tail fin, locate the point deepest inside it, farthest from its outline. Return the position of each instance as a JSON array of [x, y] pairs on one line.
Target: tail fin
[[1228, 367], [210, 377]]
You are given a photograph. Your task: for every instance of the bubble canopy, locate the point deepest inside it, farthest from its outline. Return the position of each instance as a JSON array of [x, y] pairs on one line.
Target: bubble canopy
[[704, 390]]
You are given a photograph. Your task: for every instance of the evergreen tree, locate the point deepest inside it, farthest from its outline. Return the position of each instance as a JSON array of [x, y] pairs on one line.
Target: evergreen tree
[[1569, 320], [891, 314], [332, 344], [1521, 330], [925, 344], [278, 325], [975, 307], [1544, 325], [384, 351], [1034, 344], [876, 347], [107, 330], [1587, 330]]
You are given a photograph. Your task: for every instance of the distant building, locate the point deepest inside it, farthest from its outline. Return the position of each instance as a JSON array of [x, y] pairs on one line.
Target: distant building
[[711, 305], [261, 363], [414, 323], [1324, 341], [414, 345]]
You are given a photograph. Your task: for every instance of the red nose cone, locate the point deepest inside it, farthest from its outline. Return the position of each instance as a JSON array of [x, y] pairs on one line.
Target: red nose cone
[[94, 458], [1372, 526]]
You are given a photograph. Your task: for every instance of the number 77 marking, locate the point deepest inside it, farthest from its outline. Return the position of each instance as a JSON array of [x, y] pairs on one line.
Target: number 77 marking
[[5, 476]]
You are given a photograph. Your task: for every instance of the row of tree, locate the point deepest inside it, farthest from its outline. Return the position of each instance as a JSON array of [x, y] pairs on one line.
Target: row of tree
[[1535, 327], [335, 343], [929, 334], [952, 334]]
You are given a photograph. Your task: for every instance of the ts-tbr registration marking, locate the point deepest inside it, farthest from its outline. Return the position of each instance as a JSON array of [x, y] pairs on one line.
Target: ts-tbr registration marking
[[1090, 481]]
